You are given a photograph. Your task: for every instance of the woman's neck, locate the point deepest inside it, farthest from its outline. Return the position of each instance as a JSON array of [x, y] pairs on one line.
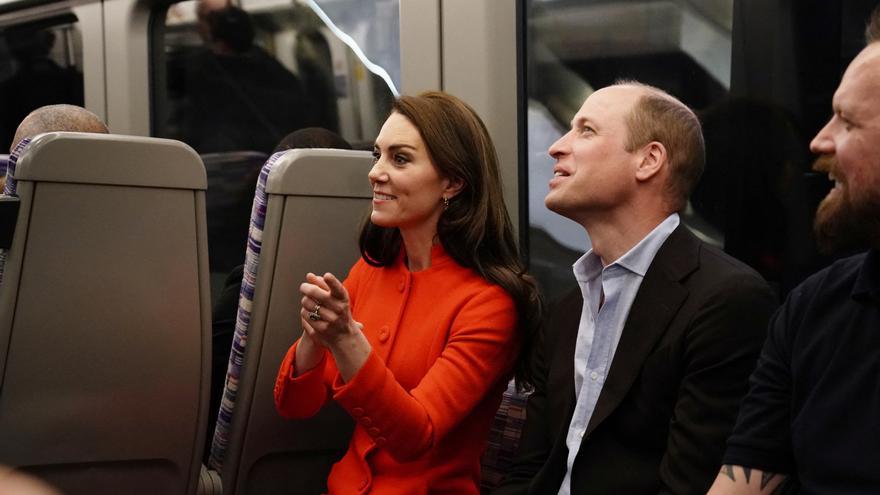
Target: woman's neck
[[418, 249]]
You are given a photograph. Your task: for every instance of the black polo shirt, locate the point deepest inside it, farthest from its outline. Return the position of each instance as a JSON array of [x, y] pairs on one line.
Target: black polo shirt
[[813, 408]]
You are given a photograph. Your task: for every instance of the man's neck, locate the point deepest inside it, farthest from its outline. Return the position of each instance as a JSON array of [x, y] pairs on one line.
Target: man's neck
[[613, 238]]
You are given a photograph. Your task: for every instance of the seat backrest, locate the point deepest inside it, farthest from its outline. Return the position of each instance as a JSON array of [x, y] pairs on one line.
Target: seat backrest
[[315, 201], [105, 316]]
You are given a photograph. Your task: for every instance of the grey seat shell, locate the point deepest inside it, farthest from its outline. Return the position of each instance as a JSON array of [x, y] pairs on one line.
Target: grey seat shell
[[105, 316], [316, 201]]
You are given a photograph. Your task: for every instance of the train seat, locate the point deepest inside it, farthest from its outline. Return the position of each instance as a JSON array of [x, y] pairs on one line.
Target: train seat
[[307, 212], [105, 315]]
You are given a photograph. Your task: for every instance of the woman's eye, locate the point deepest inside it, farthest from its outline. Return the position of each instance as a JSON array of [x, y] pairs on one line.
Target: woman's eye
[[586, 130], [400, 159], [376, 156]]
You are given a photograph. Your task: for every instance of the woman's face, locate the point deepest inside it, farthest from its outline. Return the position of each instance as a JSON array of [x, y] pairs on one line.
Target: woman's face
[[408, 190]]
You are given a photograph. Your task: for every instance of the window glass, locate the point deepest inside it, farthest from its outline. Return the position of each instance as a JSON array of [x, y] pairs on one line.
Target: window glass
[[760, 75], [232, 80], [40, 64], [374, 27], [235, 78]]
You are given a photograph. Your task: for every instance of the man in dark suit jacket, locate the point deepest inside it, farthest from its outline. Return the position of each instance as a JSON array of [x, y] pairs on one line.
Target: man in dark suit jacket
[[637, 388]]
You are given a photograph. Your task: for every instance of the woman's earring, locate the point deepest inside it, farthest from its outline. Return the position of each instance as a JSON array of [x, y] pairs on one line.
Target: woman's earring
[[445, 203]]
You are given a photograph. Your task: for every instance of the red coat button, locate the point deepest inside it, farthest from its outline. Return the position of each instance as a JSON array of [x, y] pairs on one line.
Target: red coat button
[[384, 332], [380, 441], [373, 432], [366, 421], [358, 412]]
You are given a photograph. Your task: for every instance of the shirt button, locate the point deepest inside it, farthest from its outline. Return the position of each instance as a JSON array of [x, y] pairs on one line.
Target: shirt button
[[366, 421], [374, 432], [364, 483], [594, 376], [380, 441], [383, 334], [402, 284], [358, 412]]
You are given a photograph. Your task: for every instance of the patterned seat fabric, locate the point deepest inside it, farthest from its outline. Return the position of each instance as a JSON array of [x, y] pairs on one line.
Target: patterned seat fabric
[[503, 437], [242, 323], [11, 183], [11, 186]]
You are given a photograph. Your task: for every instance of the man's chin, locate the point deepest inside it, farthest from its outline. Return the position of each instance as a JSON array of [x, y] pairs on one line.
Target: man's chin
[[841, 228]]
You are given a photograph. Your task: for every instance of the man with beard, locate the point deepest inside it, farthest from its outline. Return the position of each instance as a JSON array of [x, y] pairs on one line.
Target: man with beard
[[811, 420]]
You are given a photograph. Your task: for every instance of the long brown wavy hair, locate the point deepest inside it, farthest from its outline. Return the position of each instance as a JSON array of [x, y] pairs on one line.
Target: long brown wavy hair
[[475, 229]]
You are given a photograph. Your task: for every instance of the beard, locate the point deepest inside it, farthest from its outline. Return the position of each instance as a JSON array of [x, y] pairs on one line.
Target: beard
[[843, 224]]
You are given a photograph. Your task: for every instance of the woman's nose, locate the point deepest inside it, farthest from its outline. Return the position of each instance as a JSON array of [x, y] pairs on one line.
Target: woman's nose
[[377, 173]]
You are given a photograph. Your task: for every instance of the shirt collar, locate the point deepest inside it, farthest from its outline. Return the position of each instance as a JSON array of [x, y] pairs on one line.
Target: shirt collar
[[867, 284], [637, 260]]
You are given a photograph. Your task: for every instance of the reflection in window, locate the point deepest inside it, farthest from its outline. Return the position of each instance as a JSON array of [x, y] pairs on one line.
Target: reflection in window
[[231, 80], [761, 82], [40, 64], [374, 29]]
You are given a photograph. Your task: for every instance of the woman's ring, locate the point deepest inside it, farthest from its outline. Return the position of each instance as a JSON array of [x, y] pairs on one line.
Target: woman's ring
[[315, 315]]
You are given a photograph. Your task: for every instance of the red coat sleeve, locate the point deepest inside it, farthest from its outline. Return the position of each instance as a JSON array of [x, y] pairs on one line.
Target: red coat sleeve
[[304, 395]]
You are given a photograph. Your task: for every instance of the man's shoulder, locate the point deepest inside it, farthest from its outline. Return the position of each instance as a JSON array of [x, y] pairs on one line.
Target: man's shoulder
[[708, 264], [838, 277]]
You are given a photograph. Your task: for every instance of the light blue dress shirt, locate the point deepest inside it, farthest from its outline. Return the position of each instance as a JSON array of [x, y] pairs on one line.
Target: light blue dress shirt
[[602, 324]]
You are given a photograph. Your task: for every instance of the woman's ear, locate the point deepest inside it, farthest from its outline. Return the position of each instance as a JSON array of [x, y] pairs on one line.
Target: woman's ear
[[653, 159], [453, 187]]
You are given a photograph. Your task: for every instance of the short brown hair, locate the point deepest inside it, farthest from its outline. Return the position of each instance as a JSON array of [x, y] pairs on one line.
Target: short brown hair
[[872, 30], [55, 118], [658, 116]]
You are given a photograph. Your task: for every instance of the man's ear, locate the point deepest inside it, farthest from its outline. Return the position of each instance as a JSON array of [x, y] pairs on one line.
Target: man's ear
[[453, 187], [653, 159]]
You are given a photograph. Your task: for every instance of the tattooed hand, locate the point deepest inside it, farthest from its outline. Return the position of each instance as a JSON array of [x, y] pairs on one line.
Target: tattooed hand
[[738, 480]]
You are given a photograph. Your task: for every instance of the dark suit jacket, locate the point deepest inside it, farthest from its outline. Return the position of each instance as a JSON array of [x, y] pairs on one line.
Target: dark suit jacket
[[671, 397]]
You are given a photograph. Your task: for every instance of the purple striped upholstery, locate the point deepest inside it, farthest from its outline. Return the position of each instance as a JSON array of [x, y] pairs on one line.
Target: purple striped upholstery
[[11, 186], [11, 183], [503, 437], [242, 323]]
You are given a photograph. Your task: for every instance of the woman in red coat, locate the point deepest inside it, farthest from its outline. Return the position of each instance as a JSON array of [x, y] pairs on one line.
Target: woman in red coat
[[421, 339]]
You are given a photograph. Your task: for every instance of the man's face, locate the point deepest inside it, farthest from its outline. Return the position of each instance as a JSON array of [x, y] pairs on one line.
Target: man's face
[[594, 174], [849, 148]]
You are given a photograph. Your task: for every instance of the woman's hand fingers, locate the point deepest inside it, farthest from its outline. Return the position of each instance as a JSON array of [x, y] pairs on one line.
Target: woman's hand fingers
[[316, 280], [335, 287]]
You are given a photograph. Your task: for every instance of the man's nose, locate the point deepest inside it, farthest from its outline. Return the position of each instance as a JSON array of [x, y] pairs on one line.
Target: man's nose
[[560, 147], [823, 143]]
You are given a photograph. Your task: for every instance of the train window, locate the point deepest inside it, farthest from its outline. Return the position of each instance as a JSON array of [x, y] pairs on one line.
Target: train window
[[235, 78], [759, 73], [40, 64], [231, 80]]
